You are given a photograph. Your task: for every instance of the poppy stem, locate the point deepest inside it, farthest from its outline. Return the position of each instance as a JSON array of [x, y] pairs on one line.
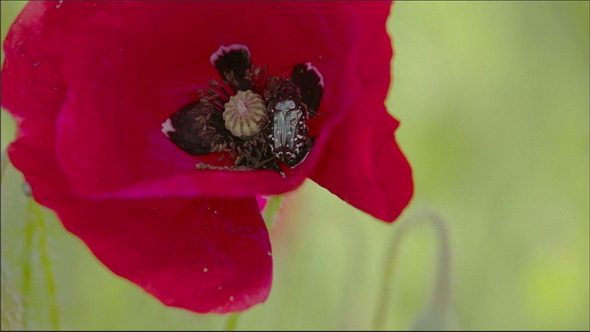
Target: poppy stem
[[3, 164], [46, 266], [272, 209], [12, 309], [232, 322], [438, 313], [26, 284]]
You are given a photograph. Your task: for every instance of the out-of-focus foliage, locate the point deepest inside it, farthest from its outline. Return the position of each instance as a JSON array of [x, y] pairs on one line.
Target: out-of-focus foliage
[[493, 99]]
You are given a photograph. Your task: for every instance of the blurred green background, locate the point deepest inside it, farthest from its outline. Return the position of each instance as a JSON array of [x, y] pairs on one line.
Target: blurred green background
[[494, 104]]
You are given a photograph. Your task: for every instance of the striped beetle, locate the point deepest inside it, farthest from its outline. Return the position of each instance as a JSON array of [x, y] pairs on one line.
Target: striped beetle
[[288, 132]]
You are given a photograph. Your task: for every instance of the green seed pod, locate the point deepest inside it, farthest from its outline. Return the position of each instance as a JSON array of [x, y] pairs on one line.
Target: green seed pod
[[245, 114]]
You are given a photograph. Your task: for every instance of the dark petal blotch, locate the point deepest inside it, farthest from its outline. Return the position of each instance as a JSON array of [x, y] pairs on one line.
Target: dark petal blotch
[[309, 84]]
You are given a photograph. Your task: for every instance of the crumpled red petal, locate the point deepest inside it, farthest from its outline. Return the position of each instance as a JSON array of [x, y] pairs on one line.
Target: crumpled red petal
[[201, 254], [205, 255], [367, 170], [32, 81], [363, 164]]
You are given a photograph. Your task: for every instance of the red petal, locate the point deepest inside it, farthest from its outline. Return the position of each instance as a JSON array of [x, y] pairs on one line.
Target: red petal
[[32, 83], [374, 51], [205, 255], [362, 163], [129, 236]]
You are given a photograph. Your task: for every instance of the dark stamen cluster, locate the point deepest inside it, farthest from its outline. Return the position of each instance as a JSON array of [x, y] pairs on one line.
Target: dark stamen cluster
[[200, 128], [260, 131]]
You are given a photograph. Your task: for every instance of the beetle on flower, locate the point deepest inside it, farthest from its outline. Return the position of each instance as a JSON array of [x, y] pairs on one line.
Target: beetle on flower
[[93, 86]]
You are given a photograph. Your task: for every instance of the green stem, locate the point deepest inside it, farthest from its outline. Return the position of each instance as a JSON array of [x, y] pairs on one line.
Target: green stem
[[441, 297], [27, 263], [47, 269], [232, 322], [11, 305], [271, 211], [3, 164], [383, 302], [440, 303]]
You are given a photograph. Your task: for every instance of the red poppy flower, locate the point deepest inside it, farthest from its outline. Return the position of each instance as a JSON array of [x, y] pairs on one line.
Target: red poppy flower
[[90, 84]]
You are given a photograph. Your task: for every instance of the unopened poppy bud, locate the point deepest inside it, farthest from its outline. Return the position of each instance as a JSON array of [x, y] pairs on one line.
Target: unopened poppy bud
[[245, 114]]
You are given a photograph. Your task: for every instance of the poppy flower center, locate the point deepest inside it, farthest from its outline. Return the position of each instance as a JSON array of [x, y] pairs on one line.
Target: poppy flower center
[[259, 120]]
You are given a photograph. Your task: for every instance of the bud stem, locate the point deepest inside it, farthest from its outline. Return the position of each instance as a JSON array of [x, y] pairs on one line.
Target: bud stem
[[439, 309]]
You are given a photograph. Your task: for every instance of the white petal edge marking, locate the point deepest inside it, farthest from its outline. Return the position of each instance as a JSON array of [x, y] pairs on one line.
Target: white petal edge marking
[[317, 72], [167, 127]]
